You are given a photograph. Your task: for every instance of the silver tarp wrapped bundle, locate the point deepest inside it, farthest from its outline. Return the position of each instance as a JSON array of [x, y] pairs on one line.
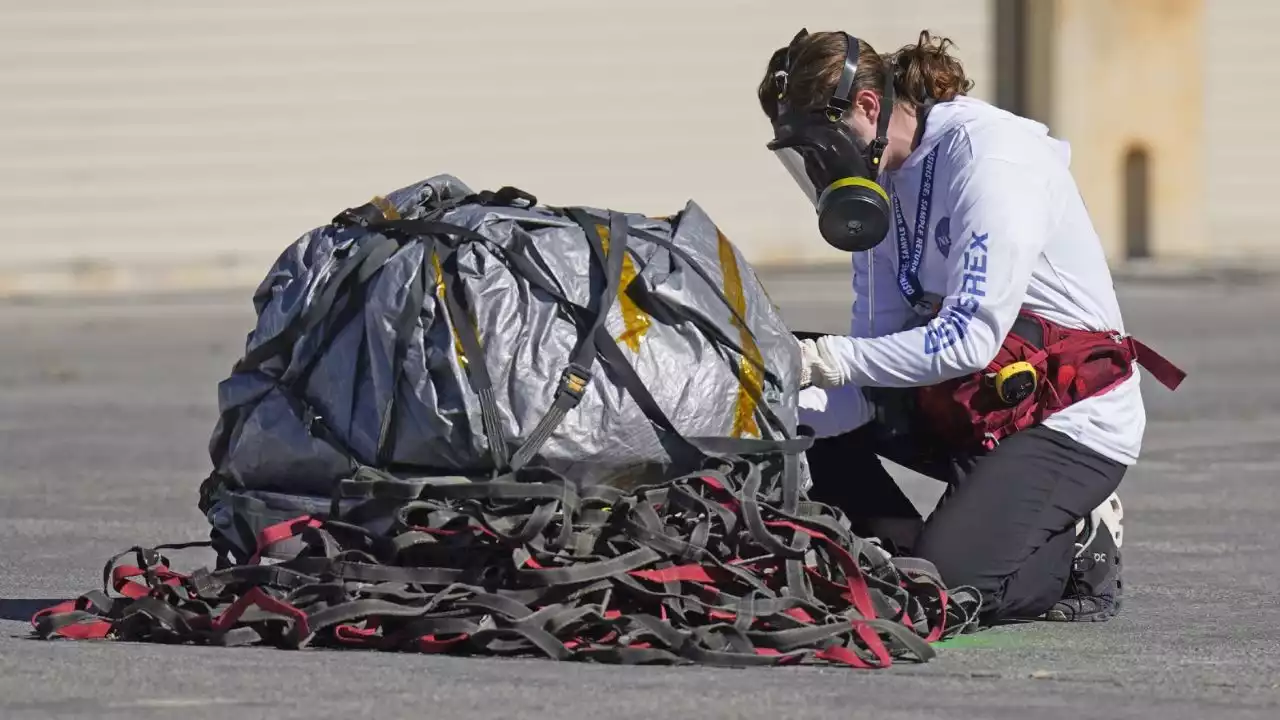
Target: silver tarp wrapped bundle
[[439, 331]]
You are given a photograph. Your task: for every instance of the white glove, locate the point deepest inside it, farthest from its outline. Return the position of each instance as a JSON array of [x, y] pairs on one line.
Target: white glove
[[834, 412], [817, 367]]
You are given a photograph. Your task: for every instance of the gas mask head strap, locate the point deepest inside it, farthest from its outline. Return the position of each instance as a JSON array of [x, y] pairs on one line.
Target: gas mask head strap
[[842, 97], [780, 68], [841, 100]]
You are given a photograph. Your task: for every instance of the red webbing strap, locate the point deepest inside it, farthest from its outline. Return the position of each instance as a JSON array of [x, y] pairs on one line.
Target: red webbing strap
[[280, 532], [70, 620], [684, 573], [257, 598], [433, 644], [122, 577], [858, 590], [1165, 372]]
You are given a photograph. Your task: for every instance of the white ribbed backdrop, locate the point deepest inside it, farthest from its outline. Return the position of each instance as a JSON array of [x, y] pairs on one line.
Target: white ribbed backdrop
[[160, 133]]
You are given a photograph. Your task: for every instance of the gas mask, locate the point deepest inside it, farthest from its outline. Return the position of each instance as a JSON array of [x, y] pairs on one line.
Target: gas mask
[[835, 169]]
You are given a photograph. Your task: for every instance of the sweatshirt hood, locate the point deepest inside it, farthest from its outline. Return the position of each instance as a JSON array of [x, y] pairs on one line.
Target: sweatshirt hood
[[973, 115]]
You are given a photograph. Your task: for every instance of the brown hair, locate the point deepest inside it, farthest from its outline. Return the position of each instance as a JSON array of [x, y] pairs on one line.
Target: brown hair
[[923, 71]]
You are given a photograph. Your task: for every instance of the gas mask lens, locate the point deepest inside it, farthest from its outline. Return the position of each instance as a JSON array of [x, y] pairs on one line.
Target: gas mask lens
[[853, 210], [794, 165]]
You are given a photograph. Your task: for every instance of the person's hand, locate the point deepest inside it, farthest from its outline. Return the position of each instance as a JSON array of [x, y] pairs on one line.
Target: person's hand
[[817, 367]]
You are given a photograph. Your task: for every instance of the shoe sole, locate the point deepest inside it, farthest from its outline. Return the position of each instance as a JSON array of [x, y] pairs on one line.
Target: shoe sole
[[1100, 616], [1059, 616]]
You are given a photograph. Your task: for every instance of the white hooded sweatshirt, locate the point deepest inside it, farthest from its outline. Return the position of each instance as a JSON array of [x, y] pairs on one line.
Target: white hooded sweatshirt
[[1000, 227]]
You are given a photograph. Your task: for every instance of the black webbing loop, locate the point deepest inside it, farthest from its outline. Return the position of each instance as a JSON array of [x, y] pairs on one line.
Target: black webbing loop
[[506, 196]]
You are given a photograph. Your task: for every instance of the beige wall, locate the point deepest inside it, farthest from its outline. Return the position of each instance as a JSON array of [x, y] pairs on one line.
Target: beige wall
[[1241, 154], [173, 142], [1129, 76], [1191, 82], [150, 133]]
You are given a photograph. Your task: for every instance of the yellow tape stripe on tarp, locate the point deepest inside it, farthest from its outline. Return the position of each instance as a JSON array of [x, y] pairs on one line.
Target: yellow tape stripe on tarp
[[388, 210], [457, 340], [635, 322], [750, 378]]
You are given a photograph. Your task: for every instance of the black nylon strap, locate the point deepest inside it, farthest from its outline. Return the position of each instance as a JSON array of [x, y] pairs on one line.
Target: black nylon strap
[[577, 375], [586, 572], [360, 264], [420, 227], [477, 367], [351, 273], [405, 324], [600, 342], [625, 375], [458, 312], [714, 287]]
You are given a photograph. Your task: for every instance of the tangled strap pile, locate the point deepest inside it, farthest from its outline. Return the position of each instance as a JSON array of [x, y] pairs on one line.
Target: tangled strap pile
[[708, 569]]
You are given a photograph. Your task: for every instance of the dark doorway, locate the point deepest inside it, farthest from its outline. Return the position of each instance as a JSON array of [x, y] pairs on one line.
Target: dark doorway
[[1024, 42], [1011, 55], [1137, 203]]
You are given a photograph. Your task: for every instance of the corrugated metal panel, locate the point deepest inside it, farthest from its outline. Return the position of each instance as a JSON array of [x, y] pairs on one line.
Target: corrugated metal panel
[[1242, 155], [152, 132]]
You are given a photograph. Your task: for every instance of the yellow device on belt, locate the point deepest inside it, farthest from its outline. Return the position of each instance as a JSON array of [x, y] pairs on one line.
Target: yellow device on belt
[[1016, 382]]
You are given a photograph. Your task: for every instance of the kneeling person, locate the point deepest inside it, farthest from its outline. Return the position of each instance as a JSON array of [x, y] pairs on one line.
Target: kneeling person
[[987, 347]]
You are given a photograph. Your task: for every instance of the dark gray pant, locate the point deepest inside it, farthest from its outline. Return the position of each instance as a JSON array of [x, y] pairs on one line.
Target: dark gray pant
[[1006, 524]]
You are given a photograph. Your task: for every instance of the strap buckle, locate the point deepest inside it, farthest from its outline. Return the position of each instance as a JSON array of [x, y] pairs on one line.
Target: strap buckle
[[574, 381], [361, 216]]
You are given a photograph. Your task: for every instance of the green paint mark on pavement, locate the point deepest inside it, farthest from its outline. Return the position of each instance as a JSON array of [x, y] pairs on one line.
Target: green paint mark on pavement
[[987, 639]]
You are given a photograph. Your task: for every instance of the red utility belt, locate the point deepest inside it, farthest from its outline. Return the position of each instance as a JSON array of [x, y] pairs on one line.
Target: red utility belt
[[1042, 367]]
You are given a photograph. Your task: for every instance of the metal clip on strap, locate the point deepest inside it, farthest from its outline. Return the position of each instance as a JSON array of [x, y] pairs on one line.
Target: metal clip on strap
[[573, 384]]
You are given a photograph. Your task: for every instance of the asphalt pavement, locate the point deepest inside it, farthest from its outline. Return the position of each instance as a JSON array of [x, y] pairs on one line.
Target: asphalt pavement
[[106, 407]]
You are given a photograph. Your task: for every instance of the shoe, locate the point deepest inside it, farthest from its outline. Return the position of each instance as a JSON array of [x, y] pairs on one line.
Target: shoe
[[1095, 588]]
